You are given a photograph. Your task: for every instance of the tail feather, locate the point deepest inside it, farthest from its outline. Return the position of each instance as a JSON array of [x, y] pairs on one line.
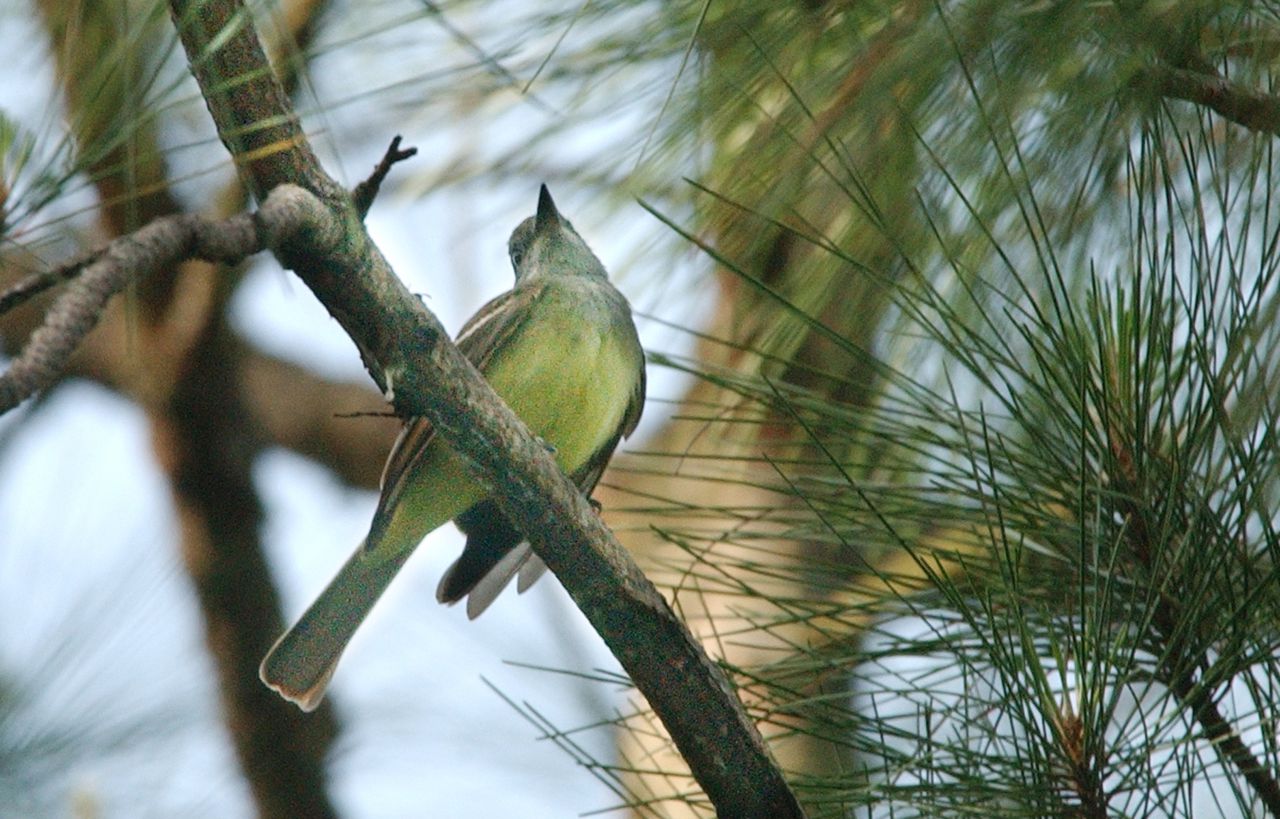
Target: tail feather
[[301, 663], [490, 539], [485, 590], [532, 569]]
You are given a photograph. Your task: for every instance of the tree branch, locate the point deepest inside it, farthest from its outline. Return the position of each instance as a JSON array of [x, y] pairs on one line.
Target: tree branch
[[1182, 666], [290, 405], [158, 246], [1240, 104], [410, 354], [252, 111]]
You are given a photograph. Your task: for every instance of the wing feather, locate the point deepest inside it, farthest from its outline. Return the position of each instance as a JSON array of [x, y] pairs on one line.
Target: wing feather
[[488, 330]]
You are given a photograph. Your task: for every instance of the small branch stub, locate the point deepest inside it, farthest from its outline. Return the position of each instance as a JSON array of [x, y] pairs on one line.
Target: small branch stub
[[367, 191]]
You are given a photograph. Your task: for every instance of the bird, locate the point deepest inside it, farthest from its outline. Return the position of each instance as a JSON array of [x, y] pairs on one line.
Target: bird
[[561, 349]]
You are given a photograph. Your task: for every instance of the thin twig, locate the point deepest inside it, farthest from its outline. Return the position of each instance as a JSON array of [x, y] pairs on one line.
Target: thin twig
[[38, 282], [367, 191]]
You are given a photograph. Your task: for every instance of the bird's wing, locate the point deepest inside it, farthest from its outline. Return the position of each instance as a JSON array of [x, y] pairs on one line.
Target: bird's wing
[[635, 408], [483, 334], [496, 551]]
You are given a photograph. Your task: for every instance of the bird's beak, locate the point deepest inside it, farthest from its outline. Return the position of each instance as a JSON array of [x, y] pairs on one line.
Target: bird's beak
[[548, 217]]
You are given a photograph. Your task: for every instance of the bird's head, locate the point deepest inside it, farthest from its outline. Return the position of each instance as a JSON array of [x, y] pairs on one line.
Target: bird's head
[[546, 244]]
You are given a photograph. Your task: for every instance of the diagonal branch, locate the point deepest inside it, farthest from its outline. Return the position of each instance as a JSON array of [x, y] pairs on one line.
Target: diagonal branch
[[409, 353]]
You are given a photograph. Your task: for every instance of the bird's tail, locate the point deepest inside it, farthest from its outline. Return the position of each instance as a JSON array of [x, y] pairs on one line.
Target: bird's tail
[[301, 662]]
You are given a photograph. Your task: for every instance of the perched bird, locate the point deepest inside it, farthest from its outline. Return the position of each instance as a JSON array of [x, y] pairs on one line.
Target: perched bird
[[561, 349]]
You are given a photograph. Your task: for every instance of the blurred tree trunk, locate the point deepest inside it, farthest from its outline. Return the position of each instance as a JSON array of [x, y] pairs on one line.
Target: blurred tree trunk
[[199, 385]]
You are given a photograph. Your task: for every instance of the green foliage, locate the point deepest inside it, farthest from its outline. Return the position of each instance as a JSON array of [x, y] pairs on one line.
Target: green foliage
[[1017, 311], [1085, 476]]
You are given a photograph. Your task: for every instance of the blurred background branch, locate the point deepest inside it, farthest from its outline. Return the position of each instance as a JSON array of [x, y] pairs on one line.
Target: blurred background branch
[[203, 431]]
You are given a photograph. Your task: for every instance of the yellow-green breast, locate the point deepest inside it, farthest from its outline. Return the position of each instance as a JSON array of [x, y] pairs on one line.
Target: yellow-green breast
[[569, 373]]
